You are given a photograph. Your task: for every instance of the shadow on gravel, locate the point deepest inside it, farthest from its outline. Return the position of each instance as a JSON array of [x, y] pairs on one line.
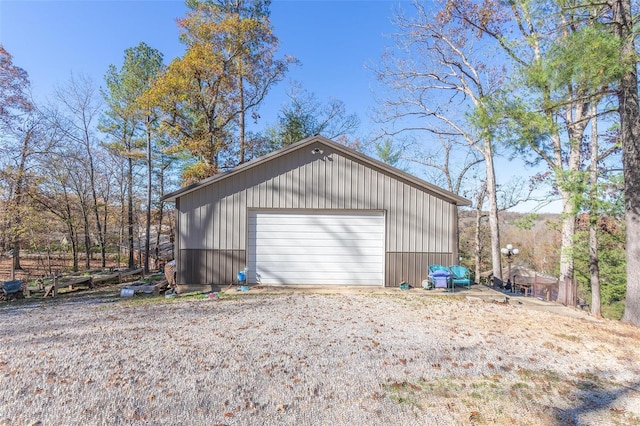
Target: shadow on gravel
[[594, 396]]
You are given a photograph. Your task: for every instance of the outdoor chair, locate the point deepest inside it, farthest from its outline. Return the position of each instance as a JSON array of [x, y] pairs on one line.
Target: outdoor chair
[[440, 276], [460, 276]]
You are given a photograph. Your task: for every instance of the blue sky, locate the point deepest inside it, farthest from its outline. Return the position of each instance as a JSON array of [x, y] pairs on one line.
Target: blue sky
[[333, 40]]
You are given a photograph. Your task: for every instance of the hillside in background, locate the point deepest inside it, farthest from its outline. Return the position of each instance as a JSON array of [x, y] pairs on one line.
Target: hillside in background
[[537, 237]]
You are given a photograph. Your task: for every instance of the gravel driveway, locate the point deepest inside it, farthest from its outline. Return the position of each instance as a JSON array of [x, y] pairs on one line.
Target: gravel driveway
[[309, 359]]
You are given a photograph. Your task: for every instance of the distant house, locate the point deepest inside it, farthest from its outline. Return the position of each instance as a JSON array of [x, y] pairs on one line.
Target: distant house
[[313, 213]]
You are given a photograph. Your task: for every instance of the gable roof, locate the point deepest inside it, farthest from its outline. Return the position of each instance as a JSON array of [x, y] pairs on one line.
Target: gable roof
[[371, 162]]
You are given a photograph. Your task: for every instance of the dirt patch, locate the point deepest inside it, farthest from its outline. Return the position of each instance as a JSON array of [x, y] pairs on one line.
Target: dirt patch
[[306, 358]]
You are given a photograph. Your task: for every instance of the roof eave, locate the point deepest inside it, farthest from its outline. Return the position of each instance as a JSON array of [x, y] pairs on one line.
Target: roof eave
[[450, 196]]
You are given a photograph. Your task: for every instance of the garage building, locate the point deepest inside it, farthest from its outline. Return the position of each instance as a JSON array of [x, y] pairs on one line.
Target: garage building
[[313, 213]]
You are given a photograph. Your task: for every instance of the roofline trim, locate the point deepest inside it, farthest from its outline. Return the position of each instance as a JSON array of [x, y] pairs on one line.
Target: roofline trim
[[458, 200]]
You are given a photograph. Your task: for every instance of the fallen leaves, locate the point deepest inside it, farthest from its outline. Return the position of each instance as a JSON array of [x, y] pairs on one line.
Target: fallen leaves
[[138, 415], [311, 368]]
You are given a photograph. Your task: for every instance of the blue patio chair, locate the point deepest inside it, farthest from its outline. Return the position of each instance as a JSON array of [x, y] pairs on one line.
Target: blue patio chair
[[440, 276], [460, 276]]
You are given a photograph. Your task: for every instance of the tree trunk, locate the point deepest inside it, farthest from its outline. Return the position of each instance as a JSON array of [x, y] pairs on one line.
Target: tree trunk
[[16, 255], [149, 168], [594, 269], [18, 202], [630, 135], [74, 253], [131, 261], [478, 242], [569, 182], [172, 237], [566, 247], [101, 236], [241, 119], [159, 233], [496, 260], [105, 216], [92, 181], [49, 260], [74, 243], [160, 215], [121, 220], [87, 240]]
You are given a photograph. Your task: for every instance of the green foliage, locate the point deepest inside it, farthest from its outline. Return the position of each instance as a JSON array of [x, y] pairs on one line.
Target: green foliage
[[612, 261], [575, 183], [296, 124], [123, 94], [588, 57], [527, 221], [611, 197], [304, 116], [523, 127], [14, 90], [227, 69], [613, 310], [388, 153], [514, 119], [602, 214]]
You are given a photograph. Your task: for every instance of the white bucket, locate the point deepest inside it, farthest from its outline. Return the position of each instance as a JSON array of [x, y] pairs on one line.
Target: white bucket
[[126, 292]]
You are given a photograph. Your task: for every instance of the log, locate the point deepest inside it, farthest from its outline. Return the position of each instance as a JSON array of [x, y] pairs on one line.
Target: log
[[75, 282], [138, 271], [107, 277]]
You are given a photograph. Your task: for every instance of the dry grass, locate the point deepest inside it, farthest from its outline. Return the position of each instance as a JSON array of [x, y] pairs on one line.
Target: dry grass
[[312, 359]]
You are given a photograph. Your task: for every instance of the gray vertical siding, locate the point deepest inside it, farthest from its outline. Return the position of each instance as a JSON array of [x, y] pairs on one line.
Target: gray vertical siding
[[212, 220]]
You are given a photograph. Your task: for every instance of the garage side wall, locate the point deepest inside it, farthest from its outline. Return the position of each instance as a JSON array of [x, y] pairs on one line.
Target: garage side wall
[[212, 221]]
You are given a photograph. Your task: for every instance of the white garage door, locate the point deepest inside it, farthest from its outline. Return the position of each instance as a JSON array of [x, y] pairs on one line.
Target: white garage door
[[320, 248]]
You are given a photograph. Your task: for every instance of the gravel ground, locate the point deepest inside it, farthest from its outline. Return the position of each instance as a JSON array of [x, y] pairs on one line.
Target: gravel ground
[[310, 359]]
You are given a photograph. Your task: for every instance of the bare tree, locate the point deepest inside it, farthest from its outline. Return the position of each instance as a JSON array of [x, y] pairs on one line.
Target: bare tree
[[29, 143], [117, 169], [441, 85], [450, 162], [547, 110], [15, 103], [56, 195], [80, 108]]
